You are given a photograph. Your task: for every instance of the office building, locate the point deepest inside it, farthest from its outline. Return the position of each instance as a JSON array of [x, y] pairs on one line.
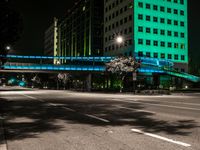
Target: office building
[[150, 28], [80, 32]]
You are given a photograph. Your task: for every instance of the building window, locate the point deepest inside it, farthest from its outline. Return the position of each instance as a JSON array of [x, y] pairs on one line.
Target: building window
[[148, 54], [148, 42], [182, 13], [182, 35], [155, 43], [162, 44], [147, 18], [140, 41], [182, 46], [181, 1], [162, 55], [140, 16], [155, 7], [130, 29], [175, 22], [155, 31], [169, 21], [175, 1], [162, 20], [140, 53], [148, 30], [176, 34], [182, 57], [155, 19], [162, 32], [182, 23], [175, 45], [175, 11], [140, 4], [169, 10], [169, 44], [176, 57], [169, 33], [140, 29], [162, 9], [169, 56], [155, 55], [148, 6]]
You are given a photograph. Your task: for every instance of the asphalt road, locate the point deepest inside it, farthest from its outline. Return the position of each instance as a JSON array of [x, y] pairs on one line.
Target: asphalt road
[[65, 120]]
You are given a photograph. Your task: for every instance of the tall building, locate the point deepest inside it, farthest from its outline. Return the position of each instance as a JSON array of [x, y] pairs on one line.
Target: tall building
[[51, 40], [81, 30], [150, 28]]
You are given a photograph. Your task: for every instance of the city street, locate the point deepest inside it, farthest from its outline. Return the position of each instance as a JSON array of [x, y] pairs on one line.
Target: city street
[[34, 119]]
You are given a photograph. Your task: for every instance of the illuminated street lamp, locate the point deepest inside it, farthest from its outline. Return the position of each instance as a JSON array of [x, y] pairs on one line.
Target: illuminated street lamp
[[119, 39], [8, 48]]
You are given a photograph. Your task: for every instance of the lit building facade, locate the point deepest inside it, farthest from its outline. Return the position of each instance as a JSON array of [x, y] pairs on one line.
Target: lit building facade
[[150, 28], [51, 40], [80, 32]]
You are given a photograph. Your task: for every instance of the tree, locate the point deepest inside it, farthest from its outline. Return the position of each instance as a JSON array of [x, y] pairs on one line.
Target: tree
[[64, 78], [122, 66]]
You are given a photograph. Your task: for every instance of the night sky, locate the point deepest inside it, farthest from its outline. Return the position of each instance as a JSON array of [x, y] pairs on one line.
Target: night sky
[[38, 15]]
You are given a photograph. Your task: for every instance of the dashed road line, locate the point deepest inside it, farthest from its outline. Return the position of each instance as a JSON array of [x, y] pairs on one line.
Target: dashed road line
[[137, 110], [97, 118], [162, 105], [161, 138]]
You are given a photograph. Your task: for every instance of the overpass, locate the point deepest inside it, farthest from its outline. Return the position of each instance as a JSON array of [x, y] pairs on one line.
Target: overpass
[[90, 64]]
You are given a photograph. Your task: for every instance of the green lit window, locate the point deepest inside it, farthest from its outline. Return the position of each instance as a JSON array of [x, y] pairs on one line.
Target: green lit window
[[140, 16], [155, 31], [148, 18], [176, 57], [169, 10], [155, 55], [162, 9], [140, 4], [169, 44], [162, 55], [148, 42], [155, 43], [140, 41], [162, 32], [148, 30], [182, 57], [169, 56], [155, 7], [155, 19], [140, 29], [162, 44], [148, 6]]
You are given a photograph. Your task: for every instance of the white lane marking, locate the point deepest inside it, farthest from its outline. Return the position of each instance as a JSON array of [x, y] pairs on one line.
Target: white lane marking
[[137, 110], [97, 118], [161, 138], [162, 105], [69, 109], [31, 97]]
